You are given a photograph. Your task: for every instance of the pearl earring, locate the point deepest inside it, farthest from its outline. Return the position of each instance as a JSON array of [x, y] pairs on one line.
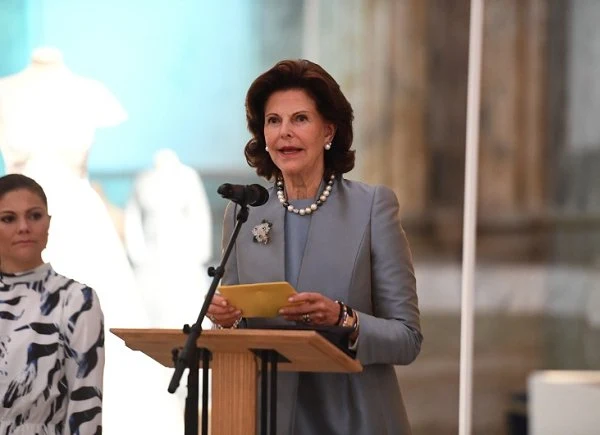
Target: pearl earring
[[327, 146], [267, 149]]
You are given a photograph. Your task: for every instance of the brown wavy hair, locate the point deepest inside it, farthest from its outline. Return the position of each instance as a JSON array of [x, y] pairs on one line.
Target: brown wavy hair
[[331, 104], [12, 182]]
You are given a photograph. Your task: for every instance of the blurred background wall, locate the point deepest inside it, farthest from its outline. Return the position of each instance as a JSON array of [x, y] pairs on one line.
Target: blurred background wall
[[181, 69]]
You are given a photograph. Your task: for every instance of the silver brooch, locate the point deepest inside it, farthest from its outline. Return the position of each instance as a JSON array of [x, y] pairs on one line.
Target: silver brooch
[[261, 232]]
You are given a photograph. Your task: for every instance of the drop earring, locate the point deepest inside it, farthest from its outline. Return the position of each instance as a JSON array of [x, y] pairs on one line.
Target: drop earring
[[328, 146], [266, 148]]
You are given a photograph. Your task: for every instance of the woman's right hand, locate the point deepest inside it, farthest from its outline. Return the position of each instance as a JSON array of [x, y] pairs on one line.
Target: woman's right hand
[[220, 312]]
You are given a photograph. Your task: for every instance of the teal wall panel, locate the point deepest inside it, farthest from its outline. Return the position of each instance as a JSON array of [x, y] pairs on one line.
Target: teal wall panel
[[14, 37], [14, 40], [179, 68]]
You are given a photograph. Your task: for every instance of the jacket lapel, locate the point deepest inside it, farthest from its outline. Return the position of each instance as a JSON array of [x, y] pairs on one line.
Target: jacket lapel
[[328, 267], [263, 262]]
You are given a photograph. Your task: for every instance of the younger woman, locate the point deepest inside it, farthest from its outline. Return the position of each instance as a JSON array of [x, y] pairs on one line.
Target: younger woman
[[51, 327]]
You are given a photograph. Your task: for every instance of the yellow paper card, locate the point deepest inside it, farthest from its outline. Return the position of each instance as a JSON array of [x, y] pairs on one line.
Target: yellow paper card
[[258, 300]]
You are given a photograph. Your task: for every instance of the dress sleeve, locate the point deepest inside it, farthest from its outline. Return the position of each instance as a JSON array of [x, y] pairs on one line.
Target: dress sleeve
[[392, 334], [83, 329]]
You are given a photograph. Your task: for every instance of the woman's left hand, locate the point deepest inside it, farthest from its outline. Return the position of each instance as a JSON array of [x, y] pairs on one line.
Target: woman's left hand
[[311, 308]]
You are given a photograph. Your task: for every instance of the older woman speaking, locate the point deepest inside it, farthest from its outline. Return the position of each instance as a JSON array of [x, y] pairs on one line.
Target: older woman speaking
[[338, 242]]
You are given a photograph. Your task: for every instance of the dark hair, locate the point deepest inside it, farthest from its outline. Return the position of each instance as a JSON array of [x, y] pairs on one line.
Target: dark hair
[[11, 182], [331, 104]]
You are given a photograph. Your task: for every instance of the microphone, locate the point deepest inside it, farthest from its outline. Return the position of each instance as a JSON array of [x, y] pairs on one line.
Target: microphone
[[250, 194]]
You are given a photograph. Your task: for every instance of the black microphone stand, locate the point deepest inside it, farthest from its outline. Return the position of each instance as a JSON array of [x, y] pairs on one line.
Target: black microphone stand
[[189, 355]]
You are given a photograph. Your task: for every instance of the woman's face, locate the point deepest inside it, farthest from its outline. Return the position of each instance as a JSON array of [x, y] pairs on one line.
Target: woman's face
[[24, 224], [296, 133]]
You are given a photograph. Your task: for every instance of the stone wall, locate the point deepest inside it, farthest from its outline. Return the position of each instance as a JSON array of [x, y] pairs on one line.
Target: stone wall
[[527, 318]]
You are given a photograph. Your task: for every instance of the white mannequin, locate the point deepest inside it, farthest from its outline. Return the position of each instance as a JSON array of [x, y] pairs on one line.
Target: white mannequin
[[47, 110], [168, 238], [48, 117]]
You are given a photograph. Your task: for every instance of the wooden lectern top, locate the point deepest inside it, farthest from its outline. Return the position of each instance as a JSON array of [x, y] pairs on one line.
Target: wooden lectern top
[[307, 351]]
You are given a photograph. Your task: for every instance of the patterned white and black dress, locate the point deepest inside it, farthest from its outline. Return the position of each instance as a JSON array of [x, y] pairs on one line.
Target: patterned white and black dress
[[51, 355]]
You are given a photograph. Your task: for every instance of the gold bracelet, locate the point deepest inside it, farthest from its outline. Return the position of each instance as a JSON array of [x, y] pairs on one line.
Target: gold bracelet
[[355, 332], [356, 322], [348, 315], [341, 314]]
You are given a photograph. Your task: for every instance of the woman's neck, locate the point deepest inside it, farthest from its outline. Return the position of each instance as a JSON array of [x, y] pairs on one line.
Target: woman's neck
[[47, 69], [13, 269], [47, 56], [302, 187], [47, 62]]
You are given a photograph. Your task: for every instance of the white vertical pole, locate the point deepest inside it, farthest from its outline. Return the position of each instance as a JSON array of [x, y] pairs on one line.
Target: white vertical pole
[[470, 218]]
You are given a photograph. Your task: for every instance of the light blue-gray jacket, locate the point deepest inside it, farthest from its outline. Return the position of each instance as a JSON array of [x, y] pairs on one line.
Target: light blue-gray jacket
[[356, 252]]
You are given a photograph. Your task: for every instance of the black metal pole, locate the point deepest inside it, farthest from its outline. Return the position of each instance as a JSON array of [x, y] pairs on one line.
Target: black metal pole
[[273, 357], [205, 366], [264, 390], [191, 401], [187, 357]]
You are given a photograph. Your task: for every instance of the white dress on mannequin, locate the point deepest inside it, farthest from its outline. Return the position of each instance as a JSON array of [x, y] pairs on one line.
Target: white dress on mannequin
[[168, 238], [48, 117]]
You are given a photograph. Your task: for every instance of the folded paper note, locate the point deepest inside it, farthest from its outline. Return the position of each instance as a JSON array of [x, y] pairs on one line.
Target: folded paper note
[[258, 300]]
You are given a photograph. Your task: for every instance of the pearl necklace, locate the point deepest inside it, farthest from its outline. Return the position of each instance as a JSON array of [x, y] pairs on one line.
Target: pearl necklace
[[311, 208]]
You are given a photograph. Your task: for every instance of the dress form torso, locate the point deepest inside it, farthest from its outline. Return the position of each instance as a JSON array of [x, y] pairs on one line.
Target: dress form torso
[[49, 113], [168, 237]]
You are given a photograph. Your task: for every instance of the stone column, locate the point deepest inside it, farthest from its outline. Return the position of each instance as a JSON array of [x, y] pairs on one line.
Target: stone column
[[512, 140], [392, 118]]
